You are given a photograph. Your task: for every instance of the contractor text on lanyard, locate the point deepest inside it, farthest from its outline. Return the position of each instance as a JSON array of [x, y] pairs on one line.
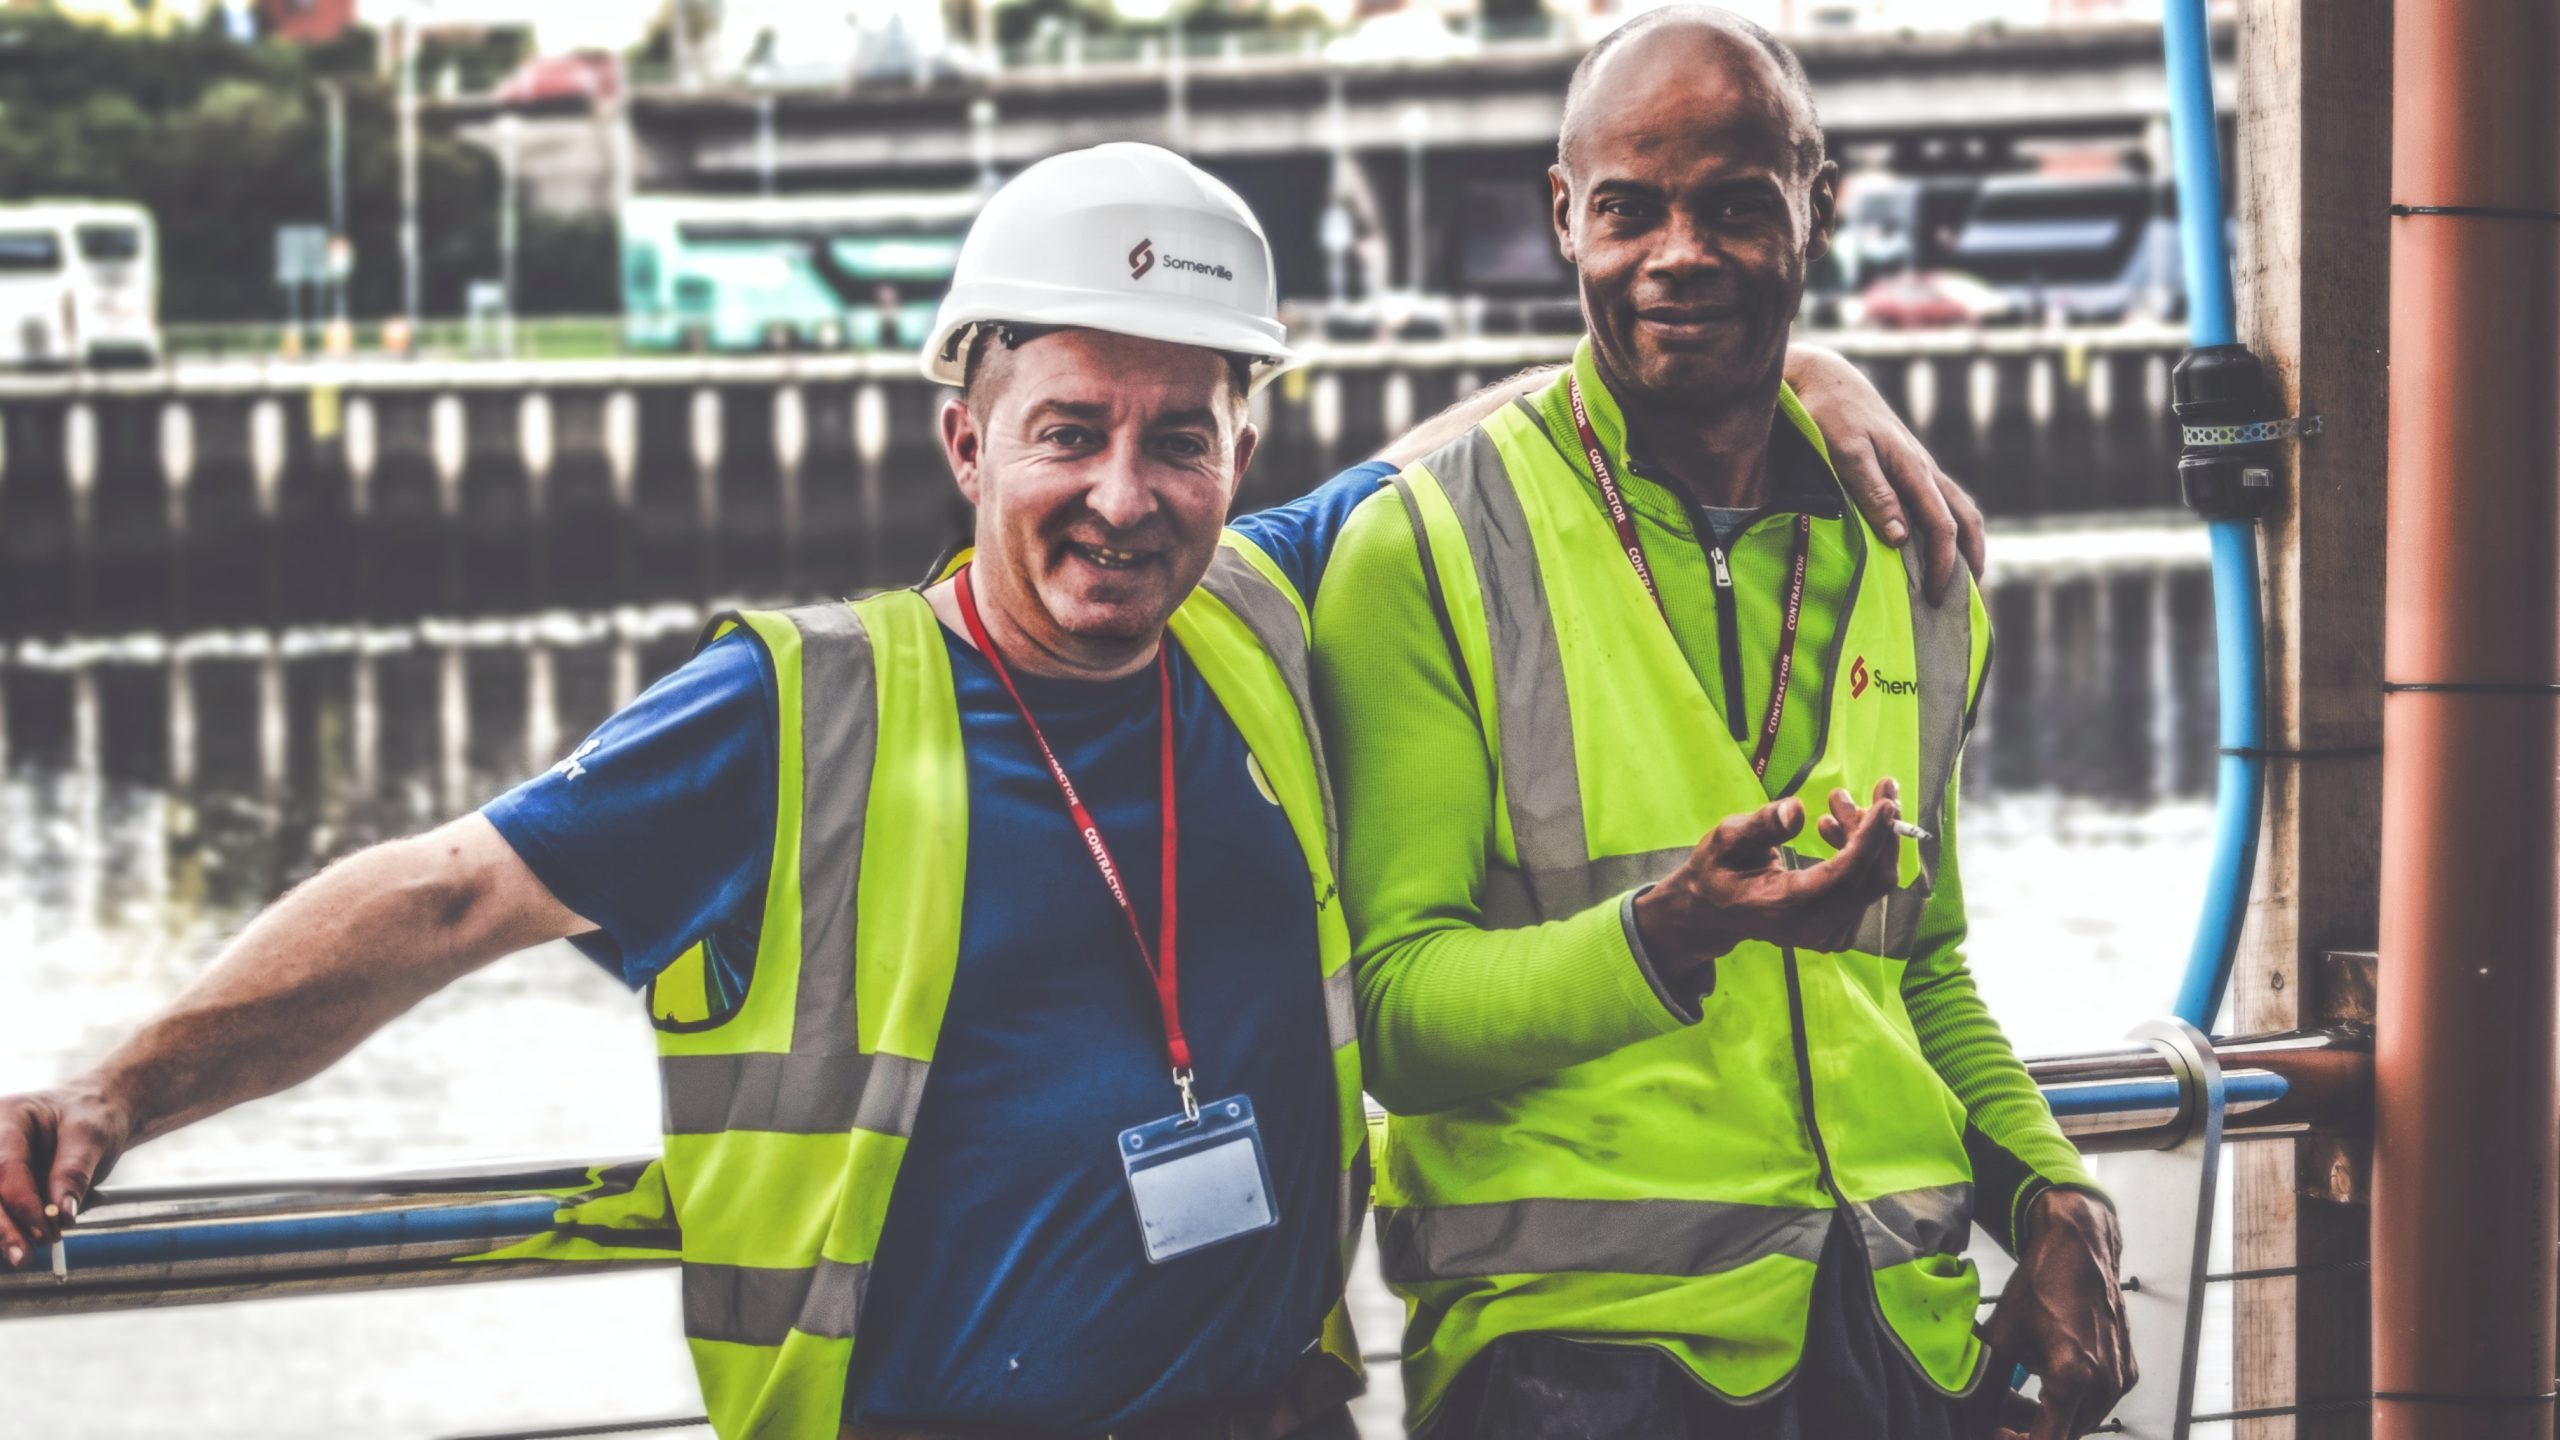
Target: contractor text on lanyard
[[1161, 959], [1198, 1177], [1624, 520]]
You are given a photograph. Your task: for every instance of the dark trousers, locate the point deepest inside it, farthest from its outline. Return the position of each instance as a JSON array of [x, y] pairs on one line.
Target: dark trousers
[[1853, 1383]]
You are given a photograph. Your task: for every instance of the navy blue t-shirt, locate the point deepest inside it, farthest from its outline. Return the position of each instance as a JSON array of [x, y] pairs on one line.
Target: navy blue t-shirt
[[1011, 1286]]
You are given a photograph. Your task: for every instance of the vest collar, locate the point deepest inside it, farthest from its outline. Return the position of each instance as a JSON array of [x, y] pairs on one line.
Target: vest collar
[[1800, 473]]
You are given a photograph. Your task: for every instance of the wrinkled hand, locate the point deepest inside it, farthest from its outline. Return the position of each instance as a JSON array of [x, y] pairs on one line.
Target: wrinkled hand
[[2063, 1316], [1885, 468], [54, 1145], [1734, 887]]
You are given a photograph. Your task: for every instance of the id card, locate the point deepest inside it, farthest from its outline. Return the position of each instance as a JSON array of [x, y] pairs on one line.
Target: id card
[[1198, 1182]]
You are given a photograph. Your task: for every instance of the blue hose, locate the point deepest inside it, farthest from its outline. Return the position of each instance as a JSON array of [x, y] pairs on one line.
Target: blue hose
[[2240, 787], [2193, 143]]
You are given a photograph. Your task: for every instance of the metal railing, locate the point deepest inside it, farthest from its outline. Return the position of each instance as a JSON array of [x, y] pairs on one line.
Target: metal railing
[[138, 1247], [245, 370]]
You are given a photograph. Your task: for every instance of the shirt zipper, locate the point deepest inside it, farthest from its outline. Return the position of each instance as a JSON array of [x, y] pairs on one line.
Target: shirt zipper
[[1728, 637]]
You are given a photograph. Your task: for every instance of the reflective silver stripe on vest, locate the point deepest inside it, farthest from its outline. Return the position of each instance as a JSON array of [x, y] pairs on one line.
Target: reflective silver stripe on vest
[[839, 742], [1342, 1007], [1417, 1246], [792, 1094], [1556, 875], [1539, 777], [1275, 622], [1507, 892], [1942, 649], [1900, 1228], [824, 1084], [751, 1305], [1622, 1237]]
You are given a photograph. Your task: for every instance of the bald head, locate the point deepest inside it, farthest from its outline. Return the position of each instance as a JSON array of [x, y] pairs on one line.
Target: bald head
[[1678, 39], [1689, 196]]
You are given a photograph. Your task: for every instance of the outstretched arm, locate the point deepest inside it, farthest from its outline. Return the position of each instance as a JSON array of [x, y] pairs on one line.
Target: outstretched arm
[[333, 961], [1883, 466]]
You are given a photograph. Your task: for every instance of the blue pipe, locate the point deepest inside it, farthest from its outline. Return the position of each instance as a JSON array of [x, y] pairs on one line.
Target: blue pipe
[[2240, 786], [497, 1222], [2117, 1096]]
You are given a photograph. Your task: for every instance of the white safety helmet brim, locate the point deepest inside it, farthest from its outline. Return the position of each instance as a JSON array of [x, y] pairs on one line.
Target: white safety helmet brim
[[1172, 319]]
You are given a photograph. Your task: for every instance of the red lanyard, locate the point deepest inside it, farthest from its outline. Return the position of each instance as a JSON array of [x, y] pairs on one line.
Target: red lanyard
[[1627, 540], [1160, 961]]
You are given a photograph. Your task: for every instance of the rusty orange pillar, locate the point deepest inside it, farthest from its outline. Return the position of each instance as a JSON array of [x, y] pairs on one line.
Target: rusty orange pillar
[[2465, 1229]]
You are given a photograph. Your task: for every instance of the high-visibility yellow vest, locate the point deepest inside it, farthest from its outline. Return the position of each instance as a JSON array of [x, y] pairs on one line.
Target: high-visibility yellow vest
[[1677, 1192], [787, 1119]]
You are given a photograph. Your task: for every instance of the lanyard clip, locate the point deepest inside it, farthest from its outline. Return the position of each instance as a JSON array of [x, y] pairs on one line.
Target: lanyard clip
[[1190, 1102]]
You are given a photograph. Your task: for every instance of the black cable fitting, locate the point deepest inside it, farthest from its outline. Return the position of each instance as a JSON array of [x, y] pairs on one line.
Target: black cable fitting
[[2231, 428]]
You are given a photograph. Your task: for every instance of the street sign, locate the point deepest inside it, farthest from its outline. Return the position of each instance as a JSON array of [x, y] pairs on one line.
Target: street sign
[[302, 254]]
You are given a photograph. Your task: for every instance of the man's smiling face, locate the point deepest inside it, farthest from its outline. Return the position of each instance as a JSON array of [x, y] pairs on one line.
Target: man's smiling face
[[1102, 467], [1688, 202]]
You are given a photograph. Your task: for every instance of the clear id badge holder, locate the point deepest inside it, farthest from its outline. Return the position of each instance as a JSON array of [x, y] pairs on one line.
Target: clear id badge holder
[[1198, 1182]]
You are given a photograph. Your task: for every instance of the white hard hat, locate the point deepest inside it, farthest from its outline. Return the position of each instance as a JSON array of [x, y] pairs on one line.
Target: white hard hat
[[1124, 237]]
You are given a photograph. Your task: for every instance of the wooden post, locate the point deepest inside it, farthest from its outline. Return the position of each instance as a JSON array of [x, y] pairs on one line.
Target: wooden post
[[2312, 290]]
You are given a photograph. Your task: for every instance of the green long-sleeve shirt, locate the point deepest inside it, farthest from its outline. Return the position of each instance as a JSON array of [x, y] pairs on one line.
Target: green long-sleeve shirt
[[1452, 1011]]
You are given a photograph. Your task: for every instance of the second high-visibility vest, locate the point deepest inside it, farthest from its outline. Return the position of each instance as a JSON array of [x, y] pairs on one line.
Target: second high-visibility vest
[[1677, 1191]]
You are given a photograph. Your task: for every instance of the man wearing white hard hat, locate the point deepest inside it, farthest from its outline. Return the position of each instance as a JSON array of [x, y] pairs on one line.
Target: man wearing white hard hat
[[990, 931]]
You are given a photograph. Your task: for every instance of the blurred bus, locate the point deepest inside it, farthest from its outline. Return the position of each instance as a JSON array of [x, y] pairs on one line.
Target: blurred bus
[[2077, 251], [79, 284], [823, 272]]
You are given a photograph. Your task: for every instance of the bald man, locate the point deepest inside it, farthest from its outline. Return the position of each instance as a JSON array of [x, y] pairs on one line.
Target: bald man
[[1694, 1105]]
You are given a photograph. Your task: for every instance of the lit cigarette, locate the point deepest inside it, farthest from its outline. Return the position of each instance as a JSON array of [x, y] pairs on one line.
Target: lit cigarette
[[1909, 831]]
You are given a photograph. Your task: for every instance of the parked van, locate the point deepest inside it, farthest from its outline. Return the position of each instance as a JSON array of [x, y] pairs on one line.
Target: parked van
[[79, 284]]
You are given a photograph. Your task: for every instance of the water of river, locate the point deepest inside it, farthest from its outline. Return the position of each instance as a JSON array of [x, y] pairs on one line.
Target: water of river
[[154, 792]]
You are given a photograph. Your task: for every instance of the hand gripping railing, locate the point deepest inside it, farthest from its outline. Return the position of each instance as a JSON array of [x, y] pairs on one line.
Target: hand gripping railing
[[2162, 1110]]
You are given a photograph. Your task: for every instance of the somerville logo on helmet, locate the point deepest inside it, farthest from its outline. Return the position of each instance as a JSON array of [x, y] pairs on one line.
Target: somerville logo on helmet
[[1142, 259], [1860, 677]]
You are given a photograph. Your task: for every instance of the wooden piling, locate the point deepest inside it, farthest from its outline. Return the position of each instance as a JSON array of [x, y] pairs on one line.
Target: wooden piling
[[2312, 288]]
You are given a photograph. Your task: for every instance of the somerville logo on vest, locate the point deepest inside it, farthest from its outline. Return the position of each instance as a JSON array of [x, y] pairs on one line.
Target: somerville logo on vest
[[1860, 677], [1143, 259]]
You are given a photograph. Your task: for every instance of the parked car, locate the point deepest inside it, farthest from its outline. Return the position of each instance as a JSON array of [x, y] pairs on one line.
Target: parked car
[[1933, 299], [583, 77]]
